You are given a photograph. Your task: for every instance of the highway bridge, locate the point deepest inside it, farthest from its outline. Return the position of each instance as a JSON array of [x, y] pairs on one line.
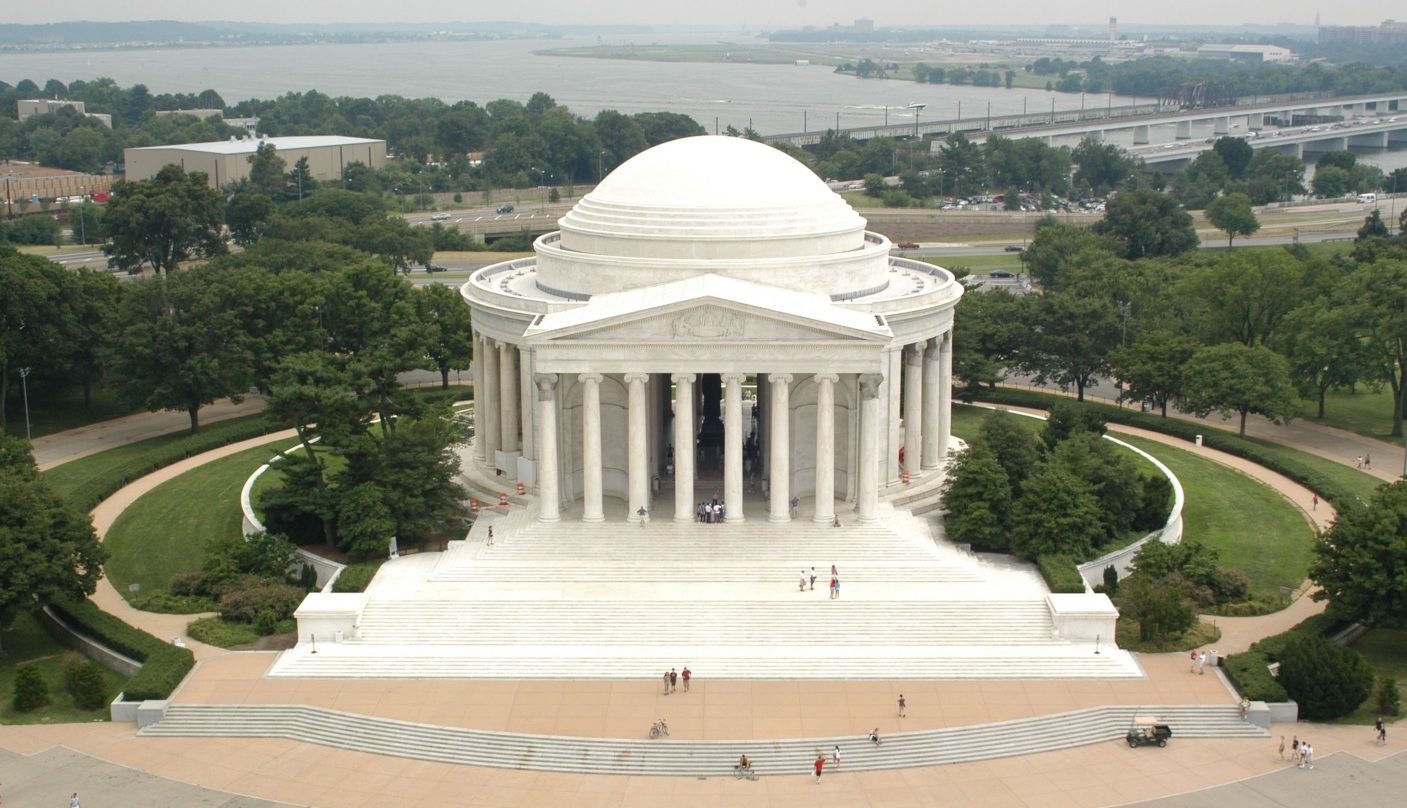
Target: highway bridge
[[1141, 119]]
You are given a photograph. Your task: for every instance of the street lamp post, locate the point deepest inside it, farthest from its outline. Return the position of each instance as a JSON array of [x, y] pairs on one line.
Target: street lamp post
[[24, 381], [82, 226], [919, 108], [9, 197]]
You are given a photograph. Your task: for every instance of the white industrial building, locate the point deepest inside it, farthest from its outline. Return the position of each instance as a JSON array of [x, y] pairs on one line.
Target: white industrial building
[[226, 162]]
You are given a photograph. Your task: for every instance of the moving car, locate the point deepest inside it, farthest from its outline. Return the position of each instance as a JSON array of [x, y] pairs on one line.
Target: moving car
[[440, 217], [505, 208], [1016, 248], [907, 245]]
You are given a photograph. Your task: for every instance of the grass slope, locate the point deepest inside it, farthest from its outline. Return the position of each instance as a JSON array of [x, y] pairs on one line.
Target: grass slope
[[27, 642]]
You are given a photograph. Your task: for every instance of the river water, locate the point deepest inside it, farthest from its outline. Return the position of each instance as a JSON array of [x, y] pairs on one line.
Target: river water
[[772, 98]]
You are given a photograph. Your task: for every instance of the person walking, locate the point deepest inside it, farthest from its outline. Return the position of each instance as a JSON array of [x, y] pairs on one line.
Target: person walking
[[903, 705], [1245, 707], [812, 576], [1367, 464], [1314, 503], [1381, 727], [1282, 747], [835, 584], [820, 764], [1295, 749], [673, 680], [835, 756], [490, 541], [837, 589], [802, 587], [874, 736], [687, 675], [795, 506], [1358, 462], [1201, 663], [1192, 662], [73, 801], [666, 683], [1308, 750]]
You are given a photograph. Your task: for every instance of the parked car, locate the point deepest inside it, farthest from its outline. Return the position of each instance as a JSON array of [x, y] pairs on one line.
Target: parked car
[[436, 268], [505, 208], [440, 217], [1000, 273]]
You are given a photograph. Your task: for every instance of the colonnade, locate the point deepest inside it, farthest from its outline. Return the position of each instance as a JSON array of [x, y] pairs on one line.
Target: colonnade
[[927, 405]]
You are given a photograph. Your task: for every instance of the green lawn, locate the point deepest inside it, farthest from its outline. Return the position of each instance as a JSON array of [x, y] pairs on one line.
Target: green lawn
[[1255, 529], [164, 532], [1361, 484], [87, 480], [53, 411], [1386, 650], [29, 642], [1364, 412]]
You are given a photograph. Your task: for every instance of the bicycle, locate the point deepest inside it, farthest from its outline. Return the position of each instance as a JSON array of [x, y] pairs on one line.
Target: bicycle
[[744, 772], [659, 728]]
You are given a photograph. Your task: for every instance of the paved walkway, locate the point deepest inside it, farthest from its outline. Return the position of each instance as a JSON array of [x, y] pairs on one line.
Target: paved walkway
[[61, 447]]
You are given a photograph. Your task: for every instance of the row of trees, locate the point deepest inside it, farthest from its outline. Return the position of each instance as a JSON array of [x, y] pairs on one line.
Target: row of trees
[[1164, 77], [1064, 492], [1238, 334]]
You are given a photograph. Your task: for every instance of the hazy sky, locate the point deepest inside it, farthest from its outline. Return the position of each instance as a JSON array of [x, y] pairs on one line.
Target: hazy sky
[[715, 12]]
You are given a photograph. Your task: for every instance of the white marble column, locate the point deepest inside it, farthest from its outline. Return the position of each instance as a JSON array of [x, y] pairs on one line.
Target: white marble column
[[637, 443], [825, 446], [684, 505], [779, 438], [945, 394], [549, 498], [733, 446], [487, 421], [932, 402], [508, 397], [867, 499], [527, 410], [477, 367], [913, 409], [591, 509], [890, 417]]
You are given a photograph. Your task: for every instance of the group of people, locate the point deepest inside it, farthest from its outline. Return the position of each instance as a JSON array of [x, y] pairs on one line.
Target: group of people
[[711, 513], [672, 678], [1364, 461], [807, 582], [1301, 752], [1197, 661]]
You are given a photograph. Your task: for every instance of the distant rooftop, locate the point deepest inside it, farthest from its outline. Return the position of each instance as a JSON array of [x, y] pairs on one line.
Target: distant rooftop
[[250, 145]]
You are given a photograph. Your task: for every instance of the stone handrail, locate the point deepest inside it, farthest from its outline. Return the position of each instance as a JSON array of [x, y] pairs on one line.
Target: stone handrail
[[326, 569]]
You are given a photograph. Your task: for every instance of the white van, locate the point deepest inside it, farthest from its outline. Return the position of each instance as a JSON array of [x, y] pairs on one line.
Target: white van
[[1367, 199]]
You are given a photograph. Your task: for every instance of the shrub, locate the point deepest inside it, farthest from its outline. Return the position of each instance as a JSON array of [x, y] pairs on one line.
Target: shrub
[[1154, 504], [266, 623], [356, 577], [167, 603], [31, 691], [308, 577], [1057, 514], [1111, 580], [163, 665], [1250, 673], [188, 583], [1254, 607], [1060, 573], [221, 633], [1160, 605], [1326, 679], [85, 684], [245, 605], [1386, 696], [268, 556]]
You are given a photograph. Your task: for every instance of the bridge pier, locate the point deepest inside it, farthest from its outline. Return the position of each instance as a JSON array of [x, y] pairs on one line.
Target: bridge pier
[[1140, 135], [1360, 110], [1328, 144], [1255, 121], [1222, 125], [1371, 140], [1184, 130], [1397, 136]]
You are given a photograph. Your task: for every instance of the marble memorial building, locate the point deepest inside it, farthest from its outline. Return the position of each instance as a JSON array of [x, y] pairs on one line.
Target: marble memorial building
[[712, 320]]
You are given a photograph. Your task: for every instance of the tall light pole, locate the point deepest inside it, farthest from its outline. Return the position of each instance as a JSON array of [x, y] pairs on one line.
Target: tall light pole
[[9, 197], [82, 226], [917, 108], [600, 171], [24, 381], [1123, 339]]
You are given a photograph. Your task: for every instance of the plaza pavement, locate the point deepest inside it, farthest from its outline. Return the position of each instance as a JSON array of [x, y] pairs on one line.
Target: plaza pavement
[[303, 774]]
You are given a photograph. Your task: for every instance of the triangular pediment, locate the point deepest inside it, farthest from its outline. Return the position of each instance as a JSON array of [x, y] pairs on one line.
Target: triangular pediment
[[710, 310]]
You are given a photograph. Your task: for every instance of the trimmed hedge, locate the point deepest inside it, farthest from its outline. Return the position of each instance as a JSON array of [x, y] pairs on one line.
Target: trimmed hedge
[[163, 665], [1218, 439], [356, 576], [1061, 573], [87, 481], [1248, 671]]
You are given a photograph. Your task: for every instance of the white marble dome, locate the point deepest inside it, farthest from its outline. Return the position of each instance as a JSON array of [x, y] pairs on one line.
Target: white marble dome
[[712, 205]]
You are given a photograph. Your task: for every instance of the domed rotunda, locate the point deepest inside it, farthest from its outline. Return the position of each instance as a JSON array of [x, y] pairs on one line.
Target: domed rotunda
[[711, 324]]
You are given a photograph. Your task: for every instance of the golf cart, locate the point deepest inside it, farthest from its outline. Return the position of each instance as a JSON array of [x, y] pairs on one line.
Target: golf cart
[[1146, 729]]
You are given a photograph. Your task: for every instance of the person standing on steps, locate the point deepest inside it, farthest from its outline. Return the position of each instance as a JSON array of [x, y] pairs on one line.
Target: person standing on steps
[[490, 541], [835, 520], [820, 764], [835, 756], [812, 577], [874, 736], [795, 506], [687, 675], [802, 587], [903, 705]]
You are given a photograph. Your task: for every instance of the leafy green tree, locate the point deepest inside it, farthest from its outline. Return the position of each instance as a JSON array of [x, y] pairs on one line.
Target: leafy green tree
[[48, 549], [1359, 564], [89, 326], [1379, 292], [1342, 159], [1201, 182], [1331, 182], [1323, 346], [1274, 177], [170, 218], [961, 171], [1152, 367], [364, 522], [1327, 680], [977, 495], [182, 343], [1148, 223], [1101, 167], [300, 180], [1111, 475], [266, 171], [1232, 378], [1057, 513], [1067, 418], [874, 185], [31, 689], [1057, 247], [1235, 153], [416, 462], [1232, 215], [1016, 449], [1245, 296], [1162, 611], [246, 213], [1074, 334], [1373, 226], [446, 319], [988, 333]]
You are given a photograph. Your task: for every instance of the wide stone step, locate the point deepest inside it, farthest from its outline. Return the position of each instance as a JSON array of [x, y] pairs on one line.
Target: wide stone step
[[679, 758]]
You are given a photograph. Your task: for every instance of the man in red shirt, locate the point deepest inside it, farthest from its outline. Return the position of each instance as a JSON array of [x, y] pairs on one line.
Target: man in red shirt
[[820, 764], [686, 676]]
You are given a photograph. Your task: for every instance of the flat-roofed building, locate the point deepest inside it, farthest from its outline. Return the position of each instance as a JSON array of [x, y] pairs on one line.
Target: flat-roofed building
[[227, 161], [203, 114], [29, 107]]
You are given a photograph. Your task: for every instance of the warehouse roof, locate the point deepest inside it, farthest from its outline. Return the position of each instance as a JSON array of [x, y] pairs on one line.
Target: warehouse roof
[[250, 145]]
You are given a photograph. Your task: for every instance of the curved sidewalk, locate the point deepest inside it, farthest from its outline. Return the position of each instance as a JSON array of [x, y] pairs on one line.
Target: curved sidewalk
[[71, 444]]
